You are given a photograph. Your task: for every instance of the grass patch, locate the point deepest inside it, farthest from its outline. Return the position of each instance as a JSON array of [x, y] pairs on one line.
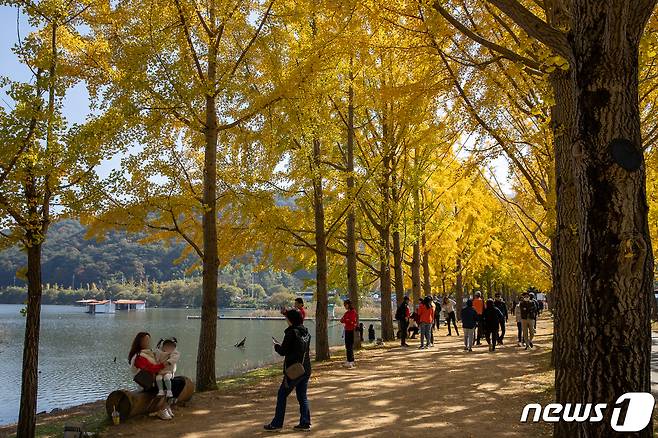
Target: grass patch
[[250, 377], [95, 422]]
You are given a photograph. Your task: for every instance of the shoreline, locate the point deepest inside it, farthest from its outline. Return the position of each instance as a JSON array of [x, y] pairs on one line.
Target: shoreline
[[94, 412]]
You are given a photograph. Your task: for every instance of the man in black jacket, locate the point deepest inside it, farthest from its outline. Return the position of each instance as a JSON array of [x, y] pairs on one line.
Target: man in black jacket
[[296, 349], [500, 304], [528, 319], [402, 315]]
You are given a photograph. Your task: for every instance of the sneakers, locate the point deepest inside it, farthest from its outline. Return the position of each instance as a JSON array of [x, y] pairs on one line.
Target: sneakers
[[161, 393], [270, 428], [527, 346], [170, 394], [465, 348], [164, 415], [531, 345], [518, 344], [169, 411], [350, 364], [470, 349], [303, 427]]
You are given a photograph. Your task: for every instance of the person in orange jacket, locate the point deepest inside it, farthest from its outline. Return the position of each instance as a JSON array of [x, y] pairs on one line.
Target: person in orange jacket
[[478, 305], [426, 314]]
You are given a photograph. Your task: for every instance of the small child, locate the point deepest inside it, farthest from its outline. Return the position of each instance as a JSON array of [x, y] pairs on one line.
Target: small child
[[167, 354]]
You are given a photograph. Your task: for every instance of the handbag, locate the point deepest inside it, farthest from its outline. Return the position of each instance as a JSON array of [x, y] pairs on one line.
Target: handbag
[[144, 379], [296, 370]]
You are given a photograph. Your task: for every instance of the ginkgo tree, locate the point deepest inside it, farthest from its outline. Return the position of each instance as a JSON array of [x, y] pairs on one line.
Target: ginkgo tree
[[47, 164]]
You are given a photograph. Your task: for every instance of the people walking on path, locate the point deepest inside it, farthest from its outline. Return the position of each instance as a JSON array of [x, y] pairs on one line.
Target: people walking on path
[[478, 305], [426, 315], [469, 321], [402, 315], [502, 306], [528, 319], [350, 320], [296, 349], [449, 309], [519, 327], [492, 318], [434, 318], [534, 301]]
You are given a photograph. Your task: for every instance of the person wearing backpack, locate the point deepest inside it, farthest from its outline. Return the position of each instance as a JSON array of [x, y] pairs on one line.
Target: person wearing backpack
[[402, 315], [296, 349]]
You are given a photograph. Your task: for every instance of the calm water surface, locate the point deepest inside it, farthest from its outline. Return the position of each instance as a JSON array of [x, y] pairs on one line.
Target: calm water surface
[[77, 351]]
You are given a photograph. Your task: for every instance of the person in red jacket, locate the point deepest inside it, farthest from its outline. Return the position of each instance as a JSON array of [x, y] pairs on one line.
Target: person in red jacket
[[426, 313], [478, 305], [141, 357], [350, 320]]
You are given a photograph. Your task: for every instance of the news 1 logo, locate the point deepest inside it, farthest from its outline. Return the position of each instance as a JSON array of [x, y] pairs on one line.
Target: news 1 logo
[[638, 412]]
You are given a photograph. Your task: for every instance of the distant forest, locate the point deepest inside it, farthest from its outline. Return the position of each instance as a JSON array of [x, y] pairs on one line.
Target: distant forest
[[121, 266]]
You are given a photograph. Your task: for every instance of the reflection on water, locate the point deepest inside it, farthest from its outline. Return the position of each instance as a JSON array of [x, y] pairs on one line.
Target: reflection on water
[[78, 351]]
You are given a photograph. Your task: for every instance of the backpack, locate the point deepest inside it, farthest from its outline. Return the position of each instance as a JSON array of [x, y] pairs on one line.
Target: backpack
[[401, 313]]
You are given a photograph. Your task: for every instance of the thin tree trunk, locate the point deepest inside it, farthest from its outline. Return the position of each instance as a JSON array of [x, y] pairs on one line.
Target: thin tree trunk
[[427, 285], [459, 289], [29, 378], [350, 234], [415, 271], [205, 364], [388, 334], [321, 310]]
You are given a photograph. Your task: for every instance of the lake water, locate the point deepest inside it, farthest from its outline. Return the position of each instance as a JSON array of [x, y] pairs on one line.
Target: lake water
[[77, 351]]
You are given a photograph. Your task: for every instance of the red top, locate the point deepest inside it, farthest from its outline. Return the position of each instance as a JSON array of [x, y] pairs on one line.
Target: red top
[[426, 315], [144, 364], [350, 319], [303, 312], [478, 305]]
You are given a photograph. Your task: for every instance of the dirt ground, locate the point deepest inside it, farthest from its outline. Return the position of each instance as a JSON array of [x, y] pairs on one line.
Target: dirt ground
[[393, 392]]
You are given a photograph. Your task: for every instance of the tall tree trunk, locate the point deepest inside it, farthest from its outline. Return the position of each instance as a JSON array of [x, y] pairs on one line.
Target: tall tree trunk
[[321, 310], [29, 378], [459, 289], [205, 364], [388, 334], [350, 233], [615, 247], [427, 285], [398, 269], [415, 271]]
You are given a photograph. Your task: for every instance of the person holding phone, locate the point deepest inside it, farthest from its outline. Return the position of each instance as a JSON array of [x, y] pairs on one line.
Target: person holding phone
[[295, 347]]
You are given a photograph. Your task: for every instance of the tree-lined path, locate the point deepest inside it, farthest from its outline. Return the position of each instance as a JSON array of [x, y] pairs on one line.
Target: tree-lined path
[[392, 392]]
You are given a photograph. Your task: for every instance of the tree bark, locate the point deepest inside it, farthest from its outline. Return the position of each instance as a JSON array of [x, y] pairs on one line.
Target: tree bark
[[616, 257], [388, 334], [30, 378], [427, 285], [205, 364], [321, 310], [459, 289], [398, 269], [415, 271], [350, 233]]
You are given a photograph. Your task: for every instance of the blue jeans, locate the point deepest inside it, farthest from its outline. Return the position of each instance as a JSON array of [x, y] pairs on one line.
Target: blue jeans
[[285, 389], [425, 333]]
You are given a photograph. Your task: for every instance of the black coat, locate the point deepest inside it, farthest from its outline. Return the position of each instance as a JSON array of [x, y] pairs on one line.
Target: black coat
[[492, 318], [502, 307], [295, 347]]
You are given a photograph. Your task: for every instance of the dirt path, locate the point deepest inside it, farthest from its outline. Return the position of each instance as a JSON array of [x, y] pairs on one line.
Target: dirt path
[[394, 392]]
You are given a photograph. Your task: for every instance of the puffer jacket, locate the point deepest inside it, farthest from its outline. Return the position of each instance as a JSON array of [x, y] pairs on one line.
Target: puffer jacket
[[295, 347]]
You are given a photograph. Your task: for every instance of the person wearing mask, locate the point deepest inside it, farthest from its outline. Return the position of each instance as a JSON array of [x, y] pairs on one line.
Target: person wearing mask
[[350, 321], [478, 305], [295, 347], [528, 317], [502, 306], [469, 321], [492, 318], [426, 315], [449, 309], [402, 315]]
